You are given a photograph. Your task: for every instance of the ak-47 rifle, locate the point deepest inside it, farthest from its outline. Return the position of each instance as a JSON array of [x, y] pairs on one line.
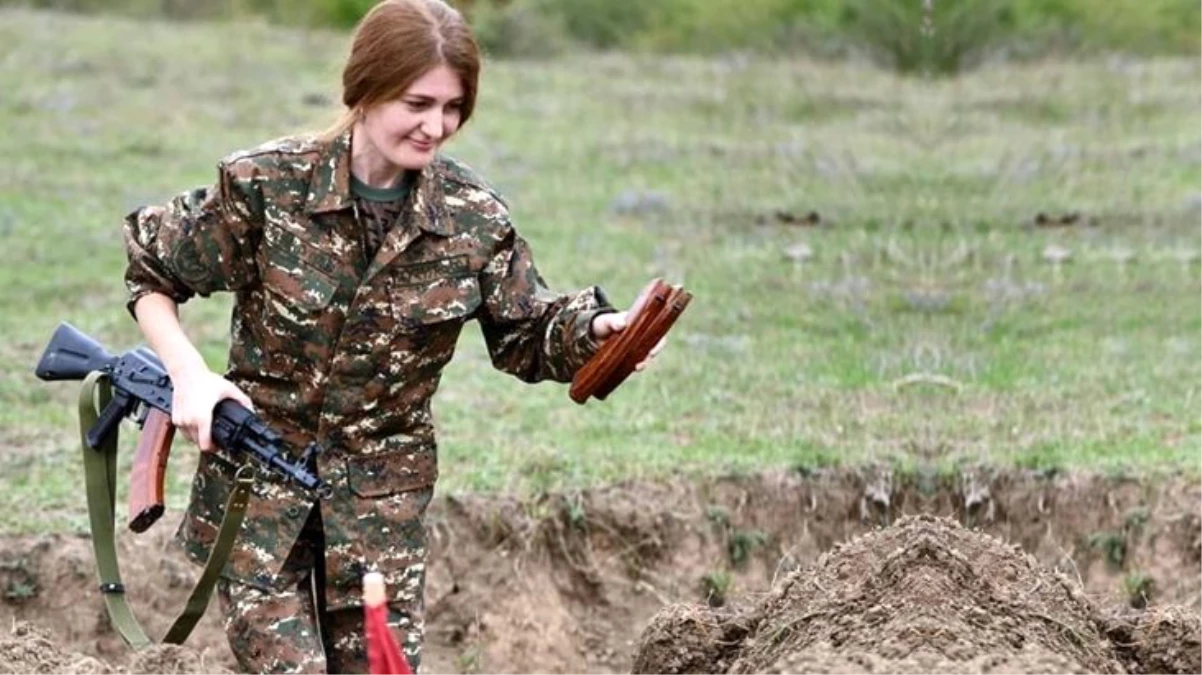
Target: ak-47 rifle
[[143, 390]]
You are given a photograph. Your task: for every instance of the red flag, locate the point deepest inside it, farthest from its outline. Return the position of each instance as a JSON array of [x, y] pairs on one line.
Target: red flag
[[383, 654]]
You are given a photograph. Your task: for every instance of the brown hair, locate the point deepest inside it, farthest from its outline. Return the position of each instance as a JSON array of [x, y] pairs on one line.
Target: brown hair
[[397, 42]]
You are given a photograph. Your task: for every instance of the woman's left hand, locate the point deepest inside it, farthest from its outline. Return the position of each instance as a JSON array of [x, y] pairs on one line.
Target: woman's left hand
[[607, 325]]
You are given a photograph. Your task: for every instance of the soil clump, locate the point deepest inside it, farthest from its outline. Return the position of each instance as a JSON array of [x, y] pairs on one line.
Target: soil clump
[[29, 649]]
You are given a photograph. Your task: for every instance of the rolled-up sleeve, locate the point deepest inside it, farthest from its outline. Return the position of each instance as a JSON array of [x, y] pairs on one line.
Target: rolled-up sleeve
[[200, 242], [531, 331]]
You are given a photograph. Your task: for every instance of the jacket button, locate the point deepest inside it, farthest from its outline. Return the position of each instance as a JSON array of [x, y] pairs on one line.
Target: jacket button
[[293, 511]]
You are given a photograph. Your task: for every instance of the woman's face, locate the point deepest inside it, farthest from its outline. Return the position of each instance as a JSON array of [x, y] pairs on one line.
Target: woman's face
[[408, 131]]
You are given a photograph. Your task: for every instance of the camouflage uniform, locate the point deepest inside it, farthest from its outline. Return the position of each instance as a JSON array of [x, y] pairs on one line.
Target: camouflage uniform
[[346, 348]]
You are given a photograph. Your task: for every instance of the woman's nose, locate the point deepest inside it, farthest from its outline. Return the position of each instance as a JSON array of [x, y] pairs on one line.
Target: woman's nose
[[432, 125]]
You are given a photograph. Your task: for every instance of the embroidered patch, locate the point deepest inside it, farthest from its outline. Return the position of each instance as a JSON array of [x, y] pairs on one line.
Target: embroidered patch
[[431, 270], [189, 263]]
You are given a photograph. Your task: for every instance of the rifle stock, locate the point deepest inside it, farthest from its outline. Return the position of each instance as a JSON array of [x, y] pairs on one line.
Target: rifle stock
[[149, 469]]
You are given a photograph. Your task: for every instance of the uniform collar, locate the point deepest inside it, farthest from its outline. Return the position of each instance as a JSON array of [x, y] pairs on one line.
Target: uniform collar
[[330, 188]]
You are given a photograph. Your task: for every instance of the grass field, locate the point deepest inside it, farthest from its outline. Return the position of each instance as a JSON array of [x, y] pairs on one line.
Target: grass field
[[920, 323]]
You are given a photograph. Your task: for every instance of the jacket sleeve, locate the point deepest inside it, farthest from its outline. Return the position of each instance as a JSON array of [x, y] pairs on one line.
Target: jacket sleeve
[[532, 332], [201, 241]]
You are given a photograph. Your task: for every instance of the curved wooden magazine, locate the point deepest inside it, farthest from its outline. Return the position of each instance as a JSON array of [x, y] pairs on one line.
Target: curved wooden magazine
[[653, 313]]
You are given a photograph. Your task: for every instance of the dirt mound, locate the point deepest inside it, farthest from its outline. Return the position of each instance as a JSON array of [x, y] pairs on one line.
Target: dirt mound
[[168, 659], [31, 650], [925, 595], [1162, 640]]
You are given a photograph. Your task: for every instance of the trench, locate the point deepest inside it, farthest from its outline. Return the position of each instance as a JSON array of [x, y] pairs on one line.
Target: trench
[[569, 582]]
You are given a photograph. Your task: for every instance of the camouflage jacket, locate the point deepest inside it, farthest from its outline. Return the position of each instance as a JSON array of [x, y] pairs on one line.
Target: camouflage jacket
[[345, 350]]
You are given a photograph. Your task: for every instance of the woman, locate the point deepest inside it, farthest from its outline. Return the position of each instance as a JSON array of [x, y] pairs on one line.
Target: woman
[[355, 257]]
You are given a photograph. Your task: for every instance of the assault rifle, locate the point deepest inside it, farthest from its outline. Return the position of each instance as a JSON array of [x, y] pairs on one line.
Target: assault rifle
[[142, 390]]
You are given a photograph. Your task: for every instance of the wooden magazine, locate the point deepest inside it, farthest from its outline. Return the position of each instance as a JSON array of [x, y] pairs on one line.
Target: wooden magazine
[[654, 312]]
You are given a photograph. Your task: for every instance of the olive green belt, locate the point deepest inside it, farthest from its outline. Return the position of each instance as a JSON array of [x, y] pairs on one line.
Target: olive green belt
[[100, 467]]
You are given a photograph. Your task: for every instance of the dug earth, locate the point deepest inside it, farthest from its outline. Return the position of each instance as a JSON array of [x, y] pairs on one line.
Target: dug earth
[[824, 570], [922, 596]]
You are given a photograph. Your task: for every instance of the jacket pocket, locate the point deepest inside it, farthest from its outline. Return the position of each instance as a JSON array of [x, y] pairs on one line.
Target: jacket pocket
[[392, 472], [422, 296], [299, 272]]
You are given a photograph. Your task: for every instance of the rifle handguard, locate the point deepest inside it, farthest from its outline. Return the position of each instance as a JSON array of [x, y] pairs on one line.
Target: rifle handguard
[[654, 312]]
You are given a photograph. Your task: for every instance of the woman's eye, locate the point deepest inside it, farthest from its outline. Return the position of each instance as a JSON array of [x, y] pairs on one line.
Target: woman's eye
[[417, 105]]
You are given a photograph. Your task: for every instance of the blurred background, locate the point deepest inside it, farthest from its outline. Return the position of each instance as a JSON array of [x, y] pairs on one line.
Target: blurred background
[[887, 32]]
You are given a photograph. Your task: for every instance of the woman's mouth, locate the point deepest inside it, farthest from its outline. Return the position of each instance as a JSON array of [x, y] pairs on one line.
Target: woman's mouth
[[421, 146]]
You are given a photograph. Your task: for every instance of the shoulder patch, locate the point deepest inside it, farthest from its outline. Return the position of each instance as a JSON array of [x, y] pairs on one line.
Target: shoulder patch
[[187, 258]]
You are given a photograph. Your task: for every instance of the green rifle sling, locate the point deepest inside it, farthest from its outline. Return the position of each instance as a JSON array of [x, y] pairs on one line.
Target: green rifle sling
[[100, 467]]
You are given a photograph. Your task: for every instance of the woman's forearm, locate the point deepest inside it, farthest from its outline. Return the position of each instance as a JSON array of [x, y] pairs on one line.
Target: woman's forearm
[[158, 317]]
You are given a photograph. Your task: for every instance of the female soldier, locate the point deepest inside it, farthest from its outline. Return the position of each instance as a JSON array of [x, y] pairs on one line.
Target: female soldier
[[355, 258]]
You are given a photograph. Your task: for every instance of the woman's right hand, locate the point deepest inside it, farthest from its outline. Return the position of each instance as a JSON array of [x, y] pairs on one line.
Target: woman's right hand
[[197, 393], [198, 390]]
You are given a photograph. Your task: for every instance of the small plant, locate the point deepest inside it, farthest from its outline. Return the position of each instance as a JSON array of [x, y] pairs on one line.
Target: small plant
[[814, 461], [715, 586], [804, 470], [1112, 544], [577, 515], [1136, 518], [742, 543], [718, 515], [1138, 587], [468, 661], [18, 591], [20, 580]]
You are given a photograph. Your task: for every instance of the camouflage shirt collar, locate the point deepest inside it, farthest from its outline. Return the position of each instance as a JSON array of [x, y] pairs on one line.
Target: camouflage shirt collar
[[330, 188]]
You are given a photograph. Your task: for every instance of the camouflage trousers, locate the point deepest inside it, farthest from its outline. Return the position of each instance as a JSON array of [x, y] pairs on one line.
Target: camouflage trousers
[[291, 631]]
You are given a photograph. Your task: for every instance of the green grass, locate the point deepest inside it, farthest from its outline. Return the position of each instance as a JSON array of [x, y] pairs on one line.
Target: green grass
[[926, 326]]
